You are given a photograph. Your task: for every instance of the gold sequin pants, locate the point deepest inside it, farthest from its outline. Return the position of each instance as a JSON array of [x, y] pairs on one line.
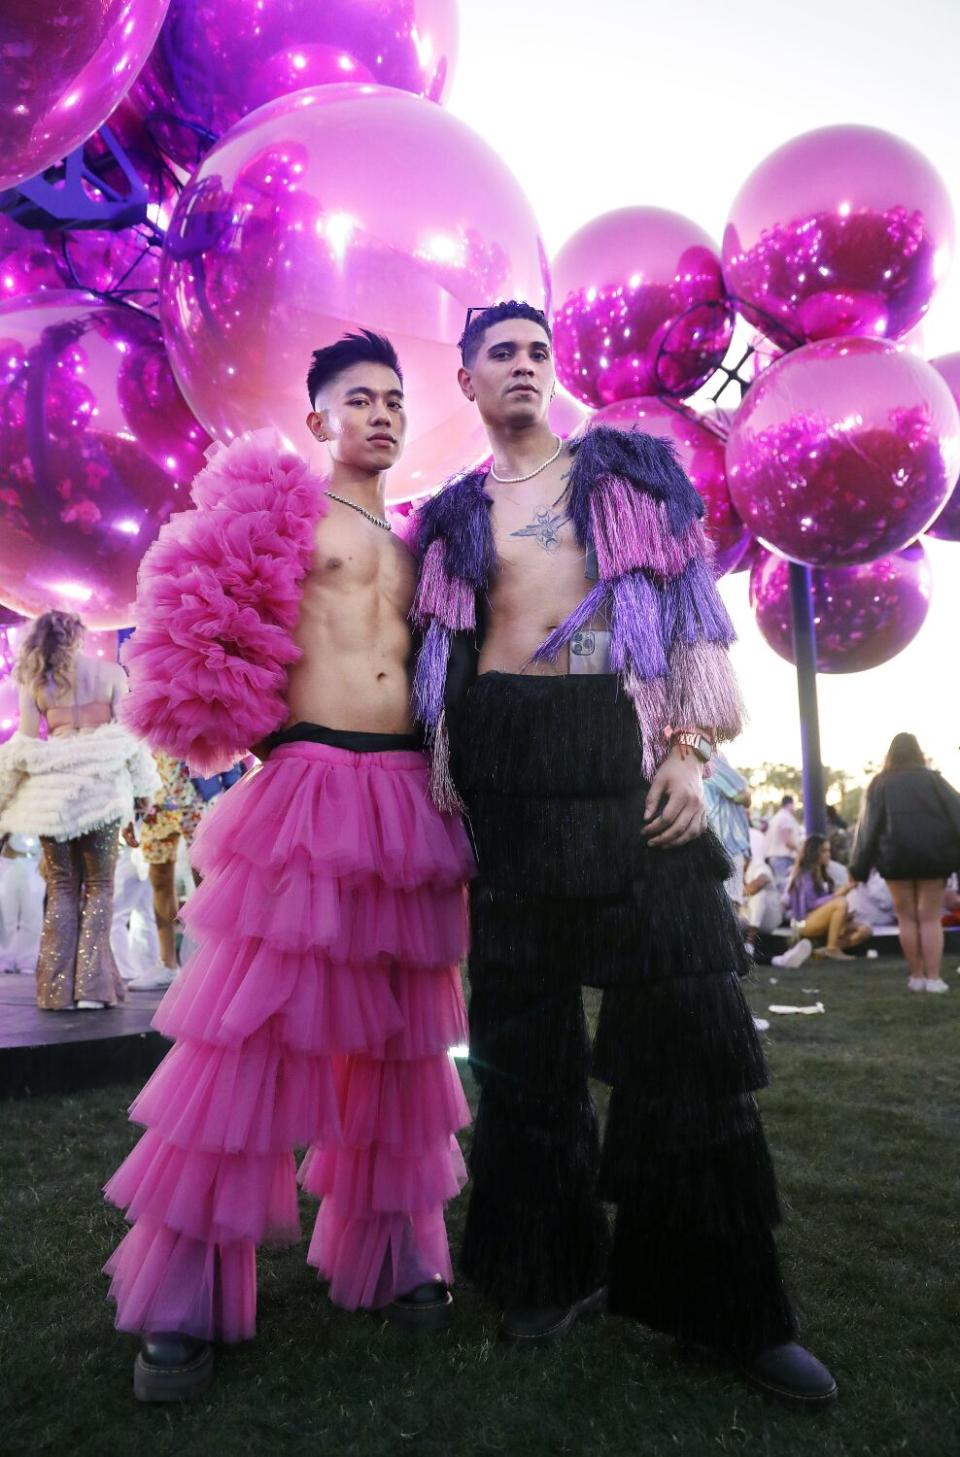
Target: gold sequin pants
[[76, 963]]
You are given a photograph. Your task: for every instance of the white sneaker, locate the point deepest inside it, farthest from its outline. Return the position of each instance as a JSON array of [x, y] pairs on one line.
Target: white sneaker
[[153, 981], [796, 956], [917, 984], [87, 1006], [936, 984]]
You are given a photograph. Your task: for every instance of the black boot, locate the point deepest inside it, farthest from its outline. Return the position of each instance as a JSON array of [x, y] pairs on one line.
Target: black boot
[[172, 1367], [542, 1327], [426, 1308], [792, 1375]]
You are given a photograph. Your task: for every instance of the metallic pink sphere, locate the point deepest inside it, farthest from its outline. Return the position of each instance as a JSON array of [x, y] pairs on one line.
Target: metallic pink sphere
[[864, 615], [326, 211], [846, 230], [640, 307], [700, 451], [947, 524], [843, 451], [64, 65], [217, 60], [30, 262], [96, 449]]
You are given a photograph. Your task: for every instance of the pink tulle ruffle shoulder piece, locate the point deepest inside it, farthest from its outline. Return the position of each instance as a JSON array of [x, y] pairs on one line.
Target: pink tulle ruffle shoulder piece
[[218, 599]]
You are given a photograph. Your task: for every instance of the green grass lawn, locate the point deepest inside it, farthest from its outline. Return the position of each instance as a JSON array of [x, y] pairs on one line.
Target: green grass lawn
[[863, 1119]]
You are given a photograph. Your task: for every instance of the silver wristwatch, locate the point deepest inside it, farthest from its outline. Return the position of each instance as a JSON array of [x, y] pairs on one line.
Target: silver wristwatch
[[699, 743]]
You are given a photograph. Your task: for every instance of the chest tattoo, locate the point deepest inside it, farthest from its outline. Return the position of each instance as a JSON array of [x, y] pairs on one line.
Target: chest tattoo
[[544, 529]]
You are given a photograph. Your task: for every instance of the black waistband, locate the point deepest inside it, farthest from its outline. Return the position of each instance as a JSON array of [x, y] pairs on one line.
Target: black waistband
[[355, 741]]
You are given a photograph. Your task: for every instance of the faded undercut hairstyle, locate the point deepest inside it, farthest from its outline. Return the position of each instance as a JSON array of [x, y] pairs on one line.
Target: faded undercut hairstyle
[[472, 336], [362, 348]]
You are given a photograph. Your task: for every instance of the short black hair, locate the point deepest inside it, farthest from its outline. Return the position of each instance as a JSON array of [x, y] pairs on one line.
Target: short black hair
[[362, 348], [511, 308], [787, 799]]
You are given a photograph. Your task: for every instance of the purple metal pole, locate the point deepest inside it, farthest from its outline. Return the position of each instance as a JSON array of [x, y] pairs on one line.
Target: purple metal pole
[[805, 655]]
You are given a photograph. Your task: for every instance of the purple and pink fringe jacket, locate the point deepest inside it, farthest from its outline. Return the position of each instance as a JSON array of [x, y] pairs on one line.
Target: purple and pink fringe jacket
[[217, 604], [635, 511]]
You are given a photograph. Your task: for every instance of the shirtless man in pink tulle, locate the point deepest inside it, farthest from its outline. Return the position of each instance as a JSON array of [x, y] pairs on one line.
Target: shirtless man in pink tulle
[[324, 995]]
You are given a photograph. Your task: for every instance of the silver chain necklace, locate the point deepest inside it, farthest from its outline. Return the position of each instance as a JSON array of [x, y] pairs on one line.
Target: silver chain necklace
[[376, 520], [515, 480]]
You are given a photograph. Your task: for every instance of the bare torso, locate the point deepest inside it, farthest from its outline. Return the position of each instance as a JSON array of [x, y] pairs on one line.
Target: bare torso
[[88, 702], [353, 629], [541, 576]]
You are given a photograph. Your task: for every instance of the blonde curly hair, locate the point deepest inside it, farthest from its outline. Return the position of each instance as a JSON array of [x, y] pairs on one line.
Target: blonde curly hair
[[47, 652]]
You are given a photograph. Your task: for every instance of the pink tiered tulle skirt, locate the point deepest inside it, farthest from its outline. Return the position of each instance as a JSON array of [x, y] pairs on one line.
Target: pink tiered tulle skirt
[[318, 1012]]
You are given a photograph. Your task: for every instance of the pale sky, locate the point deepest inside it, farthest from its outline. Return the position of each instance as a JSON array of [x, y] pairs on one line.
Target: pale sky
[[622, 102]]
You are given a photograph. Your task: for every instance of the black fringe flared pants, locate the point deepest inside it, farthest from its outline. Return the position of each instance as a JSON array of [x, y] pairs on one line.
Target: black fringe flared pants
[[568, 894]]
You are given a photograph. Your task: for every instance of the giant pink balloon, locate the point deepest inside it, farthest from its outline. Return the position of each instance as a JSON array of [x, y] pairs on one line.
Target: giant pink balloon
[[843, 451], [64, 65], [217, 60], [29, 261], [566, 415], [640, 307], [700, 451], [84, 487], [864, 615], [947, 524], [335, 208], [845, 230]]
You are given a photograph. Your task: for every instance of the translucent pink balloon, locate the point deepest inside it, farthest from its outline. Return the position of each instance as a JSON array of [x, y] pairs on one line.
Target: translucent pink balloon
[[332, 209], [640, 307], [752, 552], [845, 230], [947, 524], [82, 492], [29, 262], [64, 65], [843, 451], [864, 615], [217, 60], [101, 645], [566, 415], [700, 451]]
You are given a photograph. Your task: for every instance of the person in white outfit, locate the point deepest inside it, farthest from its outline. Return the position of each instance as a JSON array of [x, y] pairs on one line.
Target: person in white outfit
[[784, 840], [764, 906], [21, 904], [75, 790], [133, 935]]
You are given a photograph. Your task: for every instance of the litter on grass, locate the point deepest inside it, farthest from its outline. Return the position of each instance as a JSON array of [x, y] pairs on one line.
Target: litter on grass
[[761, 1024], [803, 1011]]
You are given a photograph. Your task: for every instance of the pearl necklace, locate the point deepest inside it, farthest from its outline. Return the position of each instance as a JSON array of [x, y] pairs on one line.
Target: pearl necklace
[[515, 480], [377, 520]]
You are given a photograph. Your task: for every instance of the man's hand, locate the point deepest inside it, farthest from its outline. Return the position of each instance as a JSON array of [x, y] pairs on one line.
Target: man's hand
[[130, 836], [674, 813]]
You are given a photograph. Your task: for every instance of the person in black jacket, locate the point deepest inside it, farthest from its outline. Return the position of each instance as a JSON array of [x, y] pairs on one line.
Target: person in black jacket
[[909, 830]]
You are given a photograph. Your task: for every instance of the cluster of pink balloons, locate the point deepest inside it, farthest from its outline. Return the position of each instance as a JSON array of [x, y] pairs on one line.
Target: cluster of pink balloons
[[96, 449], [298, 223]]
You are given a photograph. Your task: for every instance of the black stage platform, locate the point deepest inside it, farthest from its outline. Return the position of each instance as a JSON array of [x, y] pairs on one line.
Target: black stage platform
[[62, 1052]]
